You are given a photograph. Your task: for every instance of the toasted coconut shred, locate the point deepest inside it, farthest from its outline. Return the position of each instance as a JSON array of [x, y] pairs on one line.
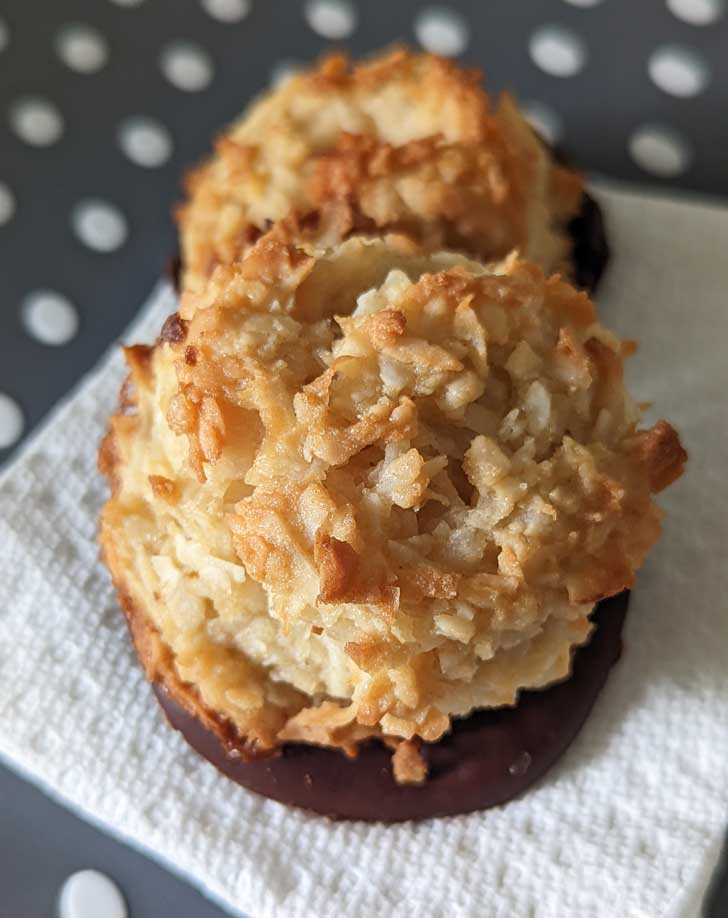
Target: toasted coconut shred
[[361, 490], [404, 142]]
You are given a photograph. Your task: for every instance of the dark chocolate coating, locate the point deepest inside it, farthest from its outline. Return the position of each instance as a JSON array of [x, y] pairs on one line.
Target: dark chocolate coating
[[487, 759], [590, 252], [591, 249], [173, 270]]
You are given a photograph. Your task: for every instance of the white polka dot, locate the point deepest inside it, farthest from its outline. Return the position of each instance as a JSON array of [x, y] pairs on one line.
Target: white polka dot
[[284, 70], [187, 66], [145, 142], [4, 35], [659, 150], [557, 51], [82, 48], [11, 421], [442, 31], [227, 10], [544, 120], [697, 12], [99, 225], [332, 19], [90, 894], [584, 4], [36, 121], [7, 203], [678, 71], [49, 317]]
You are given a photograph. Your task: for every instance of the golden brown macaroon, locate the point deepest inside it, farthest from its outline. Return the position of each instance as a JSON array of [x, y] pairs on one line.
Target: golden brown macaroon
[[361, 491], [403, 142]]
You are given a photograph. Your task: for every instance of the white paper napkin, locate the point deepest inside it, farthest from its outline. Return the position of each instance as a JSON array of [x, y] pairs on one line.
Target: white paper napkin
[[627, 825]]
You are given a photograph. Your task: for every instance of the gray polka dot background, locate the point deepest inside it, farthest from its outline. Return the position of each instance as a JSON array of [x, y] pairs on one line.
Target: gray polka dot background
[[105, 103]]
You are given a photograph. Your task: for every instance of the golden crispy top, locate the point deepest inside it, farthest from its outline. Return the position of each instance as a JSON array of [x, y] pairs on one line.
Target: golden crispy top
[[404, 142], [366, 489]]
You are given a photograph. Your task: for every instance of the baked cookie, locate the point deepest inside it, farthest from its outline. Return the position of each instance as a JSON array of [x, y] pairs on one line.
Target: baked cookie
[[403, 142], [361, 492]]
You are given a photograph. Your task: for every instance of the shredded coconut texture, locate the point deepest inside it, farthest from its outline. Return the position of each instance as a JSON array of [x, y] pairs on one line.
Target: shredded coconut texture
[[360, 491], [404, 142]]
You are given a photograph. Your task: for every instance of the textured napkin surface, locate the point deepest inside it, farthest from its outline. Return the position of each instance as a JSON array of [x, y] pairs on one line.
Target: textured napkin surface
[[628, 824]]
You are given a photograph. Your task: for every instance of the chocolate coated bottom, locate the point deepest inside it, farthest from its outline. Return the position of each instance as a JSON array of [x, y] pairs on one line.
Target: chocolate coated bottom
[[590, 253], [487, 759]]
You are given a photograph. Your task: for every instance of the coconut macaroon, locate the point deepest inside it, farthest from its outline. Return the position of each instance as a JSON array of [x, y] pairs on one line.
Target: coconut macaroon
[[361, 491], [404, 142]]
